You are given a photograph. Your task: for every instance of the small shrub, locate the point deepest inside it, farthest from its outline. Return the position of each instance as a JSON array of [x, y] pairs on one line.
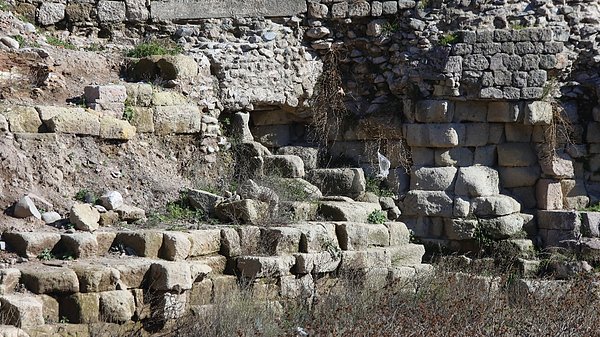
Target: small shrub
[[129, 113], [375, 186], [153, 48], [46, 255], [20, 39], [377, 217], [449, 39], [54, 41], [4, 6], [175, 211], [592, 208], [517, 26], [390, 28], [87, 196]]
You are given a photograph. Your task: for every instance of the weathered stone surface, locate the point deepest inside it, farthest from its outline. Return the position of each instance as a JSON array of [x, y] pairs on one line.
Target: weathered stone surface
[[309, 155], [176, 246], [143, 243], [25, 207], [80, 308], [177, 119], [516, 154], [137, 10], [247, 211], [293, 287], [559, 220], [549, 194], [347, 211], [166, 11], [9, 279], [518, 176], [434, 111], [430, 203], [117, 306], [435, 135], [317, 237], [22, 119], [84, 217], [433, 178], [230, 242], [358, 236], [324, 262], [133, 271], [590, 224], [460, 229], [477, 181], [30, 244], [118, 129], [281, 240], [458, 156], [111, 200], [45, 280], [21, 311], [50, 13], [503, 227], [204, 242], [178, 67], [111, 11], [171, 276], [343, 181], [130, 213], [105, 241], [559, 166], [399, 233], [201, 292], [264, 266], [503, 112], [204, 201], [75, 122], [96, 278], [287, 166], [538, 113], [81, 245], [409, 254], [249, 239], [497, 205]]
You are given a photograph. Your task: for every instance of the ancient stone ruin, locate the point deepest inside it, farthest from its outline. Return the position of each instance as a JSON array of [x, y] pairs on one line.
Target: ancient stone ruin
[[314, 138]]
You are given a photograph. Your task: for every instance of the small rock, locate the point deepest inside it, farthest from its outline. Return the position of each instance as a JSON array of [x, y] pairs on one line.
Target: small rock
[[9, 42], [112, 200], [51, 217], [26, 208], [100, 208], [269, 36], [84, 217]]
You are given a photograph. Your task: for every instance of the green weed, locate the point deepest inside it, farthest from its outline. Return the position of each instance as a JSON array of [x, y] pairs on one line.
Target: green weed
[[377, 217], [54, 41], [87, 196], [449, 39], [153, 48], [46, 255]]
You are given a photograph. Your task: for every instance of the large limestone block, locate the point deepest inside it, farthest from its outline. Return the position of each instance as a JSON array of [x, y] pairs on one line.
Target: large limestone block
[[12, 331], [204, 201], [399, 233], [137, 10], [111, 11], [246, 211], [22, 119], [130, 213], [50, 13], [430, 203], [75, 122], [324, 262], [574, 194], [434, 111], [518, 176], [549, 194], [309, 155], [458, 156], [47, 280], [249, 239], [132, 271], [538, 113], [477, 181], [348, 211], [287, 166], [281, 240], [143, 243], [405, 255], [205, 242], [117, 306], [360, 260], [433, 178], [264, 266], [559, 166], [503, 227], [21, 311], [81, 245], [435, 135], [171, 276], [590, 224], [95, 277], [516, 154], [31, 244], [348, 182], [85, 217], [172, 11], [559, 220], [496, 205], [9, 279], [317, 237], [460, 229], [357, 236], [176, 246], [293, 287], [178, 67], [80, 308], [25, 207], [178, 119], [230, 242], [113, 128], [105, 93]]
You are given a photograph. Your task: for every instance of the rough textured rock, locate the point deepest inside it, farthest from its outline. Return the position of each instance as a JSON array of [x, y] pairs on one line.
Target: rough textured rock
[[477, 181], [111, 200], [84, 217], [117, 306], [26, 208], [21, 311], [346, 182], [347, 211]]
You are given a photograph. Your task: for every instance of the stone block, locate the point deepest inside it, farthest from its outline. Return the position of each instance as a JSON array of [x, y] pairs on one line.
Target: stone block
[[518, 132], [21, 311], [574, 194], [264, 266], [317, 237], [50, 13], [525, 196], [171, 276], [174, 11], [245, 211], [230, 243], [30, 244], [287, 166], [559, 166], [502, 227], [133, 272], [497, 205], [518, 176], [516, 155], [177, 119], [559, 220], [359, 8], [9, 280], [117, 306], [175, 246], [308, 263], [458, 156], [309, 155], [139, 94], [357, 236], [105, 93], [503, 112], [95, 277], [347, 211], [433, 178], [293, 287], [434, 111], [205, 242], [143, 243], [117, 129], [201, 292], [281, 240], [405, 255], [549, 194], [22, 119], [538, 113], [105, 240], [362, 260], [429, 203], [84, 217], [348, 182], [273, 135], [130, 213], [399, 233], [477, 181], [471, 111], [75, 121], [111, 11], [485, 156], [423, 156], [178, 68], [435, 135], [460, 229], [81, 245], [50, 308], [80, 308], [590, 224], [47, 280], [137, 10]]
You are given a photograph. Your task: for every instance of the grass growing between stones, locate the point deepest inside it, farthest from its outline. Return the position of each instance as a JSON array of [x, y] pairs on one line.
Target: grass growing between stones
[[151, 48], [440, 304]]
